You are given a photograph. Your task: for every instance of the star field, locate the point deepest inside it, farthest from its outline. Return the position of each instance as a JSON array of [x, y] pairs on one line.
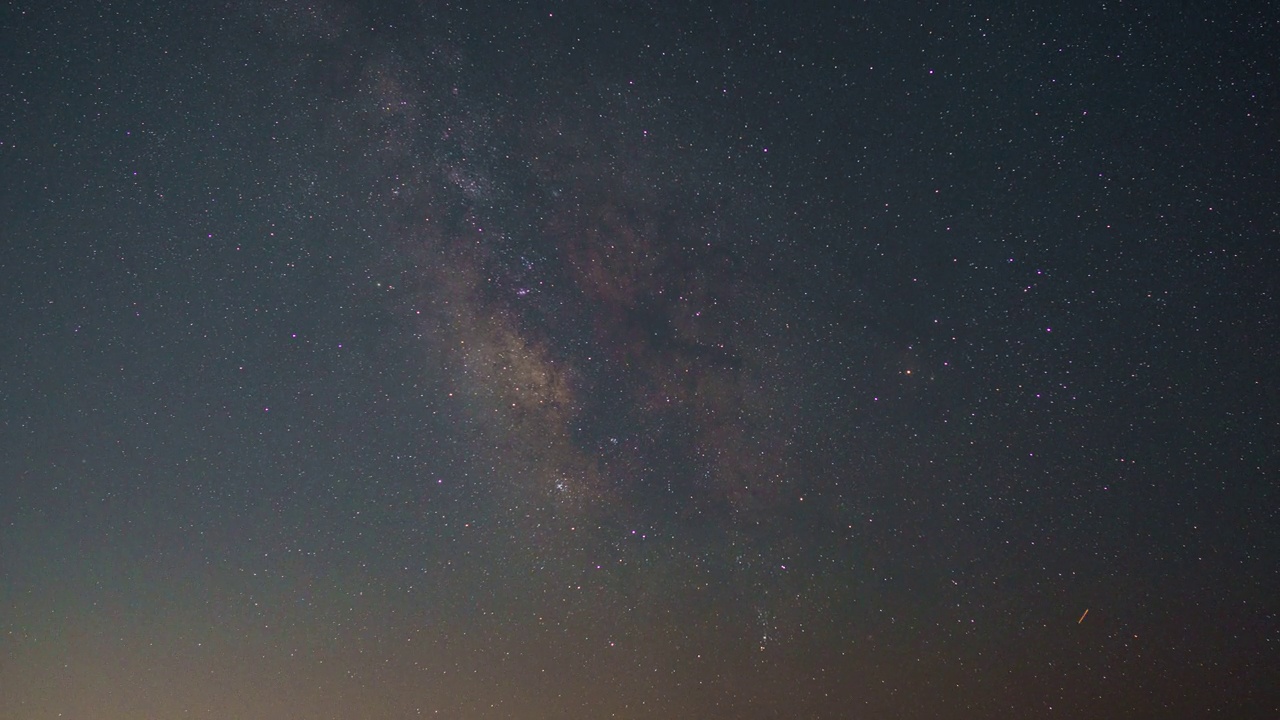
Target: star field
[[573, 359]]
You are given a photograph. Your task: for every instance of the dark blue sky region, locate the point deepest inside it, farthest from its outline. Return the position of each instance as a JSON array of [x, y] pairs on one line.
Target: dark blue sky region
[[581, 359]]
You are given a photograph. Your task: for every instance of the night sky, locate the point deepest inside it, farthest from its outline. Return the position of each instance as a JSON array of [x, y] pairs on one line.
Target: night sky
[[612, 359]]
